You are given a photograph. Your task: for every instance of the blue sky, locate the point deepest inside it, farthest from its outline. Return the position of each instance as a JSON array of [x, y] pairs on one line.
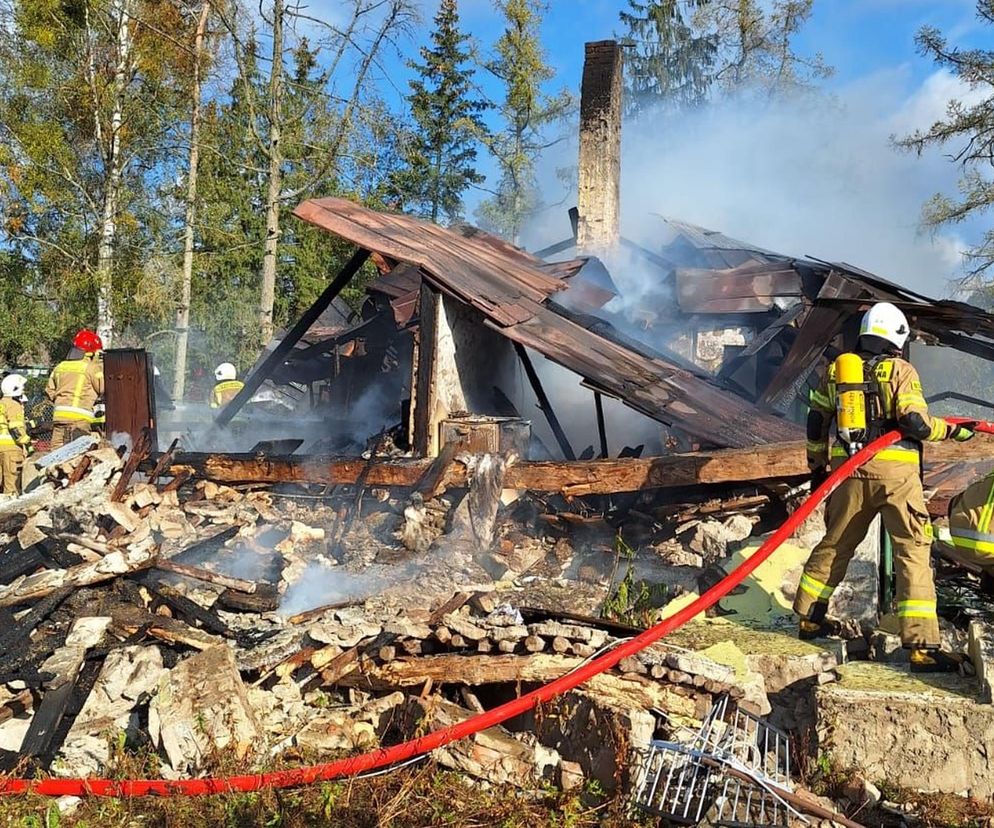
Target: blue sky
[[834, 187]]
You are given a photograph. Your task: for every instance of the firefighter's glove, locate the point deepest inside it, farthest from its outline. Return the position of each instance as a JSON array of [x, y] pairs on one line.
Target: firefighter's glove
[[961, 433], [818, 476]]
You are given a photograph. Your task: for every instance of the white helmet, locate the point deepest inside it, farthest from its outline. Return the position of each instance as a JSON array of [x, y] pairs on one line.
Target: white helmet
[[13, 387], [225, 371], [886, 321]]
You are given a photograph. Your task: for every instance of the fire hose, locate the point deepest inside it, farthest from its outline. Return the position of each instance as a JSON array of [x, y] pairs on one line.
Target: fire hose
[[385, 757]]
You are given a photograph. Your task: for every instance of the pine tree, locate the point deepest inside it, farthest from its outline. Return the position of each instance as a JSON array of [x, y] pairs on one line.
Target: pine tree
[[669, 63], [527, 112], [440, 154]]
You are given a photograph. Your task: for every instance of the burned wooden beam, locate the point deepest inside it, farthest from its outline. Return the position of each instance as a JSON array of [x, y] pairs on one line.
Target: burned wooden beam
[[51, 581], [601, 427], [17, 562], [189, 611], [207, 575], [543, 402], [292, 337], [143, 445], [12, 639], [571, 478], [164, 460]]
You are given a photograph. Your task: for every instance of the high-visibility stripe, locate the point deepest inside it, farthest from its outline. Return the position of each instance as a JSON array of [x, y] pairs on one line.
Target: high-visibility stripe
[[818, 400], [981, 542], [884, 370], [893, 455], [6, 439], [984, 524], [938, 430], [68, 412], [915, 399], [816, 589], [916, 609]]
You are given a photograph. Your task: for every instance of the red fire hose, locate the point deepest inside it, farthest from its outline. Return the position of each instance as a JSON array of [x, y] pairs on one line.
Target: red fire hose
[[385, 757]]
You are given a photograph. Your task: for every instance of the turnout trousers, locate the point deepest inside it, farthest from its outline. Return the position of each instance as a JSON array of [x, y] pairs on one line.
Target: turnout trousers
[[63, 433], [900, 502], [11, 462]]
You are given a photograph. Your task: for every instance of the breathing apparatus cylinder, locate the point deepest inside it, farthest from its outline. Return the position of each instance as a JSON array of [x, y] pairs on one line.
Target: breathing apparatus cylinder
[[850, 414]]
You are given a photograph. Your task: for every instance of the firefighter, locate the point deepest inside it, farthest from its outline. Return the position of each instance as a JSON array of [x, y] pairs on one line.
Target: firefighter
[[15, 443], [74, 387], [971, 535], [889, 485], [227, 385]]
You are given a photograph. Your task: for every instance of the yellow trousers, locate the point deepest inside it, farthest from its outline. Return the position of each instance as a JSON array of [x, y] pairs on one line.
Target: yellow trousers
[[901, 504], [63, 433], [11, 463]]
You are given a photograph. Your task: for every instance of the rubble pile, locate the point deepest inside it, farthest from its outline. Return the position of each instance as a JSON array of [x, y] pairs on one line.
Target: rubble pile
[[147, 614]]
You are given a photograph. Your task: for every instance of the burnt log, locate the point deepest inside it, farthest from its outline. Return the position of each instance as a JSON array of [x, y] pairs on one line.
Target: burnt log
[[570, 478], [206, 575], [186, 610], [266, 598]]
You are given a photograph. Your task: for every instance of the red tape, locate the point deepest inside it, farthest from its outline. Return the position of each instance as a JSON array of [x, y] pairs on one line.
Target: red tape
[[385, 757]]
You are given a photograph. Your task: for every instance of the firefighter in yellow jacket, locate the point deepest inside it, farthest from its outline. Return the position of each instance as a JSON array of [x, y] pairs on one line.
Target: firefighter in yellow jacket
[[74, 387], [227, 386], [970, 530], [15, 443], [889, 485]]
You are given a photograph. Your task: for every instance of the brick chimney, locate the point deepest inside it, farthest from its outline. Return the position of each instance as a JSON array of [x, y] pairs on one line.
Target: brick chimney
[[599, 200]]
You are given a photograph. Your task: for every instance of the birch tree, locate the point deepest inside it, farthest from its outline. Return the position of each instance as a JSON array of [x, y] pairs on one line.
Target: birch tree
[[189, 221]]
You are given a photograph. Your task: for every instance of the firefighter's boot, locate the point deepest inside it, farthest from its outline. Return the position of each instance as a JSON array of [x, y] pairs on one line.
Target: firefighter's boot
[[935, 661], [816, 625]]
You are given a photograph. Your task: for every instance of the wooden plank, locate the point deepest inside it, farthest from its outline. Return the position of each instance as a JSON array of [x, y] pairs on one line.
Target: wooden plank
[[207, 575], [588, 477], [543, 403], [86, 574], [189, 611], [139, 452], [276, 357], [432, 483], [164, 460], [454, 603], [821, 326]]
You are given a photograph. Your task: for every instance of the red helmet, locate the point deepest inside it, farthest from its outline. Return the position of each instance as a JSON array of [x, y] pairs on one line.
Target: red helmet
[[88, 341]]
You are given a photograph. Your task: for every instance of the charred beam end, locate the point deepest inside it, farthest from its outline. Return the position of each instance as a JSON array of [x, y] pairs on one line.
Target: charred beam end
[[543, 402], [576, 478], [282, 350]]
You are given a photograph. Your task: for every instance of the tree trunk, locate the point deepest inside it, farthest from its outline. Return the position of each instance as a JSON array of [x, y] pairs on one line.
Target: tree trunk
[[183, 312], [275, 153], [108, 229]]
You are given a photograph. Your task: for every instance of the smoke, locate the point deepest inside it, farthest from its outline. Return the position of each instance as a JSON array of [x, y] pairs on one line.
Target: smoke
[[812, 177], [802, 178]]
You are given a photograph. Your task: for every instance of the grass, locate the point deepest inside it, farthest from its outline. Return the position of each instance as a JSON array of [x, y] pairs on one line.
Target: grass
[[419, 796], [936, 810]]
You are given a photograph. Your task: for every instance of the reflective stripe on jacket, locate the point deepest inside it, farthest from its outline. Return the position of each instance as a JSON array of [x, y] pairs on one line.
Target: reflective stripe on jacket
[[73, 388], [225, 392], [970, 516], [11, 420], [901, 394]]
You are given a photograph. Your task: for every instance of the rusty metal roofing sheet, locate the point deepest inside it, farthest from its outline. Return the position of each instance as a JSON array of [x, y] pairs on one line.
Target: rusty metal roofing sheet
[[510, 289]]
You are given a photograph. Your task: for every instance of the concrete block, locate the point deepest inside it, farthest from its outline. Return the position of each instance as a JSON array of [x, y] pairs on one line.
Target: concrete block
[[914, 731]]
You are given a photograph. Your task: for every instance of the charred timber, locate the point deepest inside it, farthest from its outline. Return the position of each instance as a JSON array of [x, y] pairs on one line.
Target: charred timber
[[570, 478]]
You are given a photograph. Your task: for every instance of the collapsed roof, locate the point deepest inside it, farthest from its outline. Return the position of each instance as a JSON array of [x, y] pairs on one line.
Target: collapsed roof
[[513, 291]]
